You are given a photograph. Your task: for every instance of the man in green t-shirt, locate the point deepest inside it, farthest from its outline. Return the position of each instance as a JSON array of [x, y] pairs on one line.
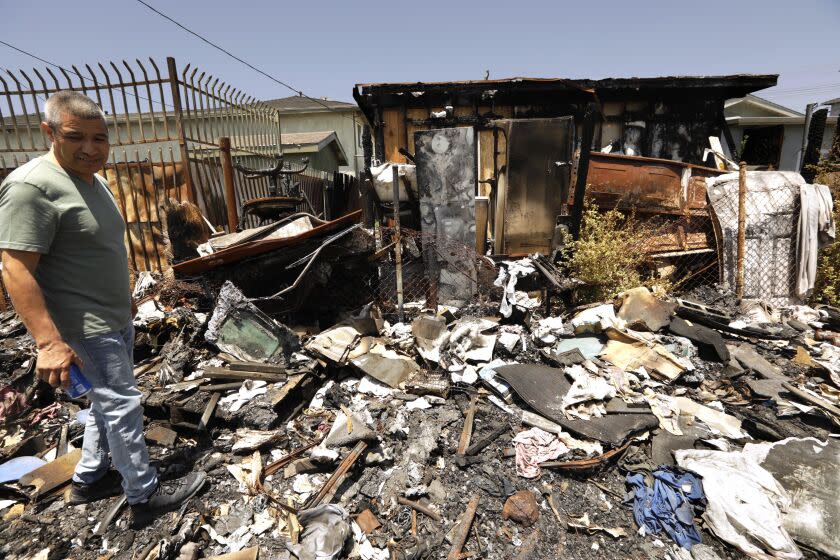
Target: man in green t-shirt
[[65, 268]]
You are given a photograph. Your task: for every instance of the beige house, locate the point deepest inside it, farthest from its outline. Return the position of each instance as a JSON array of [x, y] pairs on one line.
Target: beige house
[[304, 115], [769, 134]]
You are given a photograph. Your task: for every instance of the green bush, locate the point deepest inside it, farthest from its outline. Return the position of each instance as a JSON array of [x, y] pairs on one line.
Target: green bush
[[609, 257], [827, 284]]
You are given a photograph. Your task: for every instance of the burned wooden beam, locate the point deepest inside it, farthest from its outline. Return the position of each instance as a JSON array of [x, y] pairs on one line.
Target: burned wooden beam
[[463, 531], [332, 484], [208, 411], [256, 366], [211, 372], [417, 506], [466, 432]]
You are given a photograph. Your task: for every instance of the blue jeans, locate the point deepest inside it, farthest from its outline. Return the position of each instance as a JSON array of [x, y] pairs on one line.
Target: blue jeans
[[115, 422]]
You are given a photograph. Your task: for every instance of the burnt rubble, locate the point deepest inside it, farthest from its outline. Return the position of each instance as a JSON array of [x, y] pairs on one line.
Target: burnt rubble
[[502, 428]]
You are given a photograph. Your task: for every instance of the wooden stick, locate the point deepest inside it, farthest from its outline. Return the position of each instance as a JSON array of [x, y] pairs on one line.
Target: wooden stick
[[256, 366], [332, 484], [208, 411], [222, 386], [211, 372], [272, 468], [466, 433], [417, 506], [825, 405], [463, 529]]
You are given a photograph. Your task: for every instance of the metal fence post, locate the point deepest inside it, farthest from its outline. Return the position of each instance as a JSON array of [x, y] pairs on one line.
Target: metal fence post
[[742, 220], [179, 122], [230, 189], [397, 240]]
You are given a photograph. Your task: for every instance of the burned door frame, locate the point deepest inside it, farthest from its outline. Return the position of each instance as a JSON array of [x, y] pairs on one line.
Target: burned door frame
[[504, 228]]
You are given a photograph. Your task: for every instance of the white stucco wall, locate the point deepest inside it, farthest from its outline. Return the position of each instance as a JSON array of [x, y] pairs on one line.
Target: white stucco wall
[[343, 123]]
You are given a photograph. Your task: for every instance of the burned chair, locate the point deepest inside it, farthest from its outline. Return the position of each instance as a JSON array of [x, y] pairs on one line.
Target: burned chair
[[283, 199]]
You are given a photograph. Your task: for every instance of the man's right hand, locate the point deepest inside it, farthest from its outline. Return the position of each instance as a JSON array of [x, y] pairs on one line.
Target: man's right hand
[[53, 363]]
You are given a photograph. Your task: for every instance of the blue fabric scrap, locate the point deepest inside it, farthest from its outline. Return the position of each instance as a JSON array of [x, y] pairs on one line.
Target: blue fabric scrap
[[668, 506]]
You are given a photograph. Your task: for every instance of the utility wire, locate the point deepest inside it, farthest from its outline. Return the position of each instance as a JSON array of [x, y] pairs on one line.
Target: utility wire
[[245, 62], [71, 71]]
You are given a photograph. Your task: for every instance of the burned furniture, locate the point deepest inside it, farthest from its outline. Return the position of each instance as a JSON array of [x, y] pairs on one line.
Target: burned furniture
[[282, 199]]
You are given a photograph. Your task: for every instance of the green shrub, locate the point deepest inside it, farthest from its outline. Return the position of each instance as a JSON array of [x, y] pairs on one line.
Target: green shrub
[[609, 257], [827, 284]]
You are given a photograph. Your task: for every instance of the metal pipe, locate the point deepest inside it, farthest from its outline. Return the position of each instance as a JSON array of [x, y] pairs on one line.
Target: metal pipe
[[809, 111], [397, 241], [742, 221]]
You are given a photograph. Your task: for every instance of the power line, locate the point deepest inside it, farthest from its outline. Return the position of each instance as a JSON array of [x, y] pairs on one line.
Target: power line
[[83, 78], [246, 63]]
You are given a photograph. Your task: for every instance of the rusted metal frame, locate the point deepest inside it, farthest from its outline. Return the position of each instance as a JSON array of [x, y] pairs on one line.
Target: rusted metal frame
[[132, 189], [23, 109], [110, 91], [124, 210], [3, 125], [149, 98], [163, 103], [179, 123], [149, 220], [124, 101], [195, 130], [96, 89], [463, 532], [224, 108], [216, 127], [200, 112], [41, 136], [12, 111], [331, 485], [189, 110], [216, 130], [137, 101], [83, 87], [205, 132]]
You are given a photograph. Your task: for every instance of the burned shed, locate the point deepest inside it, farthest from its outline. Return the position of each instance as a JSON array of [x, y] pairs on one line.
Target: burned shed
[[528, 129]]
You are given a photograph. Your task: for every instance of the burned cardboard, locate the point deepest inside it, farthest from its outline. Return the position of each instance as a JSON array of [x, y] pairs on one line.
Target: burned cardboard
[[710, 342], [243, 331], [543, 388]]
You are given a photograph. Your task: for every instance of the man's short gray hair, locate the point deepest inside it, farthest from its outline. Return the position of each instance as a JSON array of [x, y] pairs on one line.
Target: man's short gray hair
[[72, 102]]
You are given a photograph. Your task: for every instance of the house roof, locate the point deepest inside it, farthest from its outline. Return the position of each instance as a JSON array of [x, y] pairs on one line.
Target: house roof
[[301, 104], [832, 101], [772, 109], [555, 91], [736, 82], [313, 142]]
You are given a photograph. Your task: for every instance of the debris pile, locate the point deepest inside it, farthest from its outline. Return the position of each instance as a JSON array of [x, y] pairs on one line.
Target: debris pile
[[643, 427]]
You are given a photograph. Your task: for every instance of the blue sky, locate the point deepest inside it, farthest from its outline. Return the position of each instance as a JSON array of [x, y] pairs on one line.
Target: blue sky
[[325, 47]]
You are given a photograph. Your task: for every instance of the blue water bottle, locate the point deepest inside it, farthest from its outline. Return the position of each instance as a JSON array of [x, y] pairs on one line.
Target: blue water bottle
[[79, 385]]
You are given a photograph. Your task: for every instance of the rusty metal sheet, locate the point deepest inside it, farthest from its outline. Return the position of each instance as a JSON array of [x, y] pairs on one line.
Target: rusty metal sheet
[[239, 252], [647, 185]]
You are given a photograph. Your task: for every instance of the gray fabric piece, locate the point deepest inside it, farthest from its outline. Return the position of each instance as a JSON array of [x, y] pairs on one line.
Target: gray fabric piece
[[79, 232], [325, 531], [816, 229]]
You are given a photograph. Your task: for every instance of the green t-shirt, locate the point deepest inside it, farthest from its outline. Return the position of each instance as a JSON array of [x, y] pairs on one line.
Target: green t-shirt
[[78, 229]]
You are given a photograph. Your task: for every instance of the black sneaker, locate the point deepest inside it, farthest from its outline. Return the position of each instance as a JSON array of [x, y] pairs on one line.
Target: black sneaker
[[167, 497], [109, 485]]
